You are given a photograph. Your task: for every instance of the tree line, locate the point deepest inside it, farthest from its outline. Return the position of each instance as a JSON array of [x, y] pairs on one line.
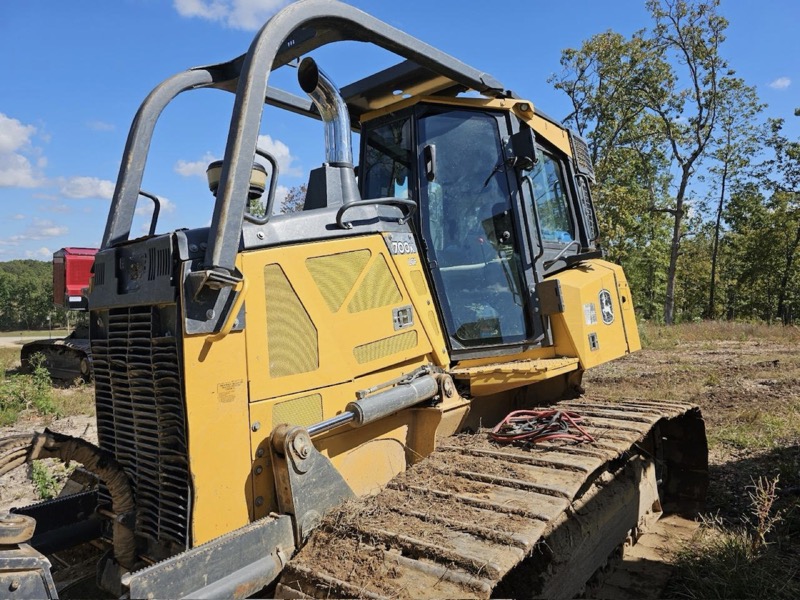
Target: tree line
[[26, 296], [698, 195]]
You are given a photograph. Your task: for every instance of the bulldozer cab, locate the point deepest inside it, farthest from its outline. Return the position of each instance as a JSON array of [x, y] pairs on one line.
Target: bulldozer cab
[[495, 214], [468, 226]]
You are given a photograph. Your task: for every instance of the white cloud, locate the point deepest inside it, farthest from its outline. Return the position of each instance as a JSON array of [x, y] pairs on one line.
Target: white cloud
[[281, 153], [40, 229], [43, 253], [145, 206], [87, 187], [16, 169], [781, 83], [280, 195], [195, 168], [59, 207], [236, 14], [100, 126], [18, 217]]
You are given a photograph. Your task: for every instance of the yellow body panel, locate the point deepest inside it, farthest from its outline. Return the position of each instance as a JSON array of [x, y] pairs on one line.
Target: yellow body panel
[[215, 382], [350, 332], [573, 349], [320, 327], [583, 321], [493, 378]]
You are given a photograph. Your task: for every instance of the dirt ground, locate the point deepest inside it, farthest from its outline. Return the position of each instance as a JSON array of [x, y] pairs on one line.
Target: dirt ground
[[17, 488], [745, 379], [749, 392]]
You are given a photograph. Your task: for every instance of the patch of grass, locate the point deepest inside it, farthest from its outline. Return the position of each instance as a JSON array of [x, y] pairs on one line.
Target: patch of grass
[[755, 429], [44, 479], [663, 337], [77, 399], [739, 562], [724, 565], [9, 359], [19, 392]]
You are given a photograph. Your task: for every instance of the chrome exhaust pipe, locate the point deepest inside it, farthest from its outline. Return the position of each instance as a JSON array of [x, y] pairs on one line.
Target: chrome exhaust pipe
[[333, 110]]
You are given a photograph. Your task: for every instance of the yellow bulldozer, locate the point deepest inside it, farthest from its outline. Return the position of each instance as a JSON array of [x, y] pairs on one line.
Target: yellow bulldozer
[[378, 395]]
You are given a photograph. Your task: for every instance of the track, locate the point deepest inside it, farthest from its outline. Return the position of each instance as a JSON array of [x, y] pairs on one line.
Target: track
[[476, 519]]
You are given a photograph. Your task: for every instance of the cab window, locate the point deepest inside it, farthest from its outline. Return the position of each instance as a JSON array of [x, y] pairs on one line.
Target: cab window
[[551, 200], [387, 161]]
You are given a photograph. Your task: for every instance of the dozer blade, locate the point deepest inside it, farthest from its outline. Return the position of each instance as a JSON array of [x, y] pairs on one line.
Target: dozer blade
[[476, 519]]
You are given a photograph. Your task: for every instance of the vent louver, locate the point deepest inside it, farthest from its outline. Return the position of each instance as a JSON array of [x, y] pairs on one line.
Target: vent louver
[[141, 418]]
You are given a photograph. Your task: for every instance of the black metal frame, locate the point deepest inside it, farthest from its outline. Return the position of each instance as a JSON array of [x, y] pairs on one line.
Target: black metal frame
[[294, 31]]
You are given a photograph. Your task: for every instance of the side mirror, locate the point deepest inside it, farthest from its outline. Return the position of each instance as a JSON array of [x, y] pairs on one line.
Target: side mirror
[[523, 145]]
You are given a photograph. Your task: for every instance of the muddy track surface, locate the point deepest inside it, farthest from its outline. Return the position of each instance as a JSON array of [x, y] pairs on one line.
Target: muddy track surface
[[475, 518]]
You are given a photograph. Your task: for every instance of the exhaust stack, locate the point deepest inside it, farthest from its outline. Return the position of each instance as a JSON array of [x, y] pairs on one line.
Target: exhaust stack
[[334, 183], [333, 110]]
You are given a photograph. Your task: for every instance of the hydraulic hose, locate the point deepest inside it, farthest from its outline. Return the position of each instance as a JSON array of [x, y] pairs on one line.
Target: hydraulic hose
[[19, 449]]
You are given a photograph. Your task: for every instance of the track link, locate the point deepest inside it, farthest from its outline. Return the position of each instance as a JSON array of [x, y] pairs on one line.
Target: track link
[[475, 518]]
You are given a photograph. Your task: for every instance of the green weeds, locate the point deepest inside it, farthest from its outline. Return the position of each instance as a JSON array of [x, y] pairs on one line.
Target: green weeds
[[755, 429], [44, 480], [23, 392], [739, 562]]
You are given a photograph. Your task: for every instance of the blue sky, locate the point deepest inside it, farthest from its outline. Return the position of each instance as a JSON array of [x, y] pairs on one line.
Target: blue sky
[[74, 74]]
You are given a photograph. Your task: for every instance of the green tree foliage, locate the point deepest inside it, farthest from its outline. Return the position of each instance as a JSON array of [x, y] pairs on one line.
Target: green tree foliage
[[26, 295], [762, 278], [781, 175], [667, 121], [738, 137], [687, 103], [627, 150]]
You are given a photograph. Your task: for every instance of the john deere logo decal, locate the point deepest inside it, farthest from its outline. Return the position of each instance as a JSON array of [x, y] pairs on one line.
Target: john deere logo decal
[[606, 308]]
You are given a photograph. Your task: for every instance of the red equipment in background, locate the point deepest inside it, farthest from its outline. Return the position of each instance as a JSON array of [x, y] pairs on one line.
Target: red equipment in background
[[67, 358], [72, 269]]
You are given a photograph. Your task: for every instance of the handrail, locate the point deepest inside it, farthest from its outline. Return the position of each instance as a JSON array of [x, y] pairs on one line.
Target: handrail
[[536, 222], [412, 207], [156, 210]]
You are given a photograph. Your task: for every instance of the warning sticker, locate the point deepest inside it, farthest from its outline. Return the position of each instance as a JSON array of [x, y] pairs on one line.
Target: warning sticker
[[228, 390], [590, 313]]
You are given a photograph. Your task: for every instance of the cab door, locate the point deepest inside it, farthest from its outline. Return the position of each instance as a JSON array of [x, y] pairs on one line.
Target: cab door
[[470, 223]]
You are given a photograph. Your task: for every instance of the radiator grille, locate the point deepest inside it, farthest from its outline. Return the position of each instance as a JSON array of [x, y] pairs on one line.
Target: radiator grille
[[141, 418]]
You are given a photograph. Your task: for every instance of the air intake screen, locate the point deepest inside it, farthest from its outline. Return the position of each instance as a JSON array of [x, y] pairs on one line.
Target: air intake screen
[[291, 336], [385, 347], [303, 411], [336, 274], [377, 289]]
